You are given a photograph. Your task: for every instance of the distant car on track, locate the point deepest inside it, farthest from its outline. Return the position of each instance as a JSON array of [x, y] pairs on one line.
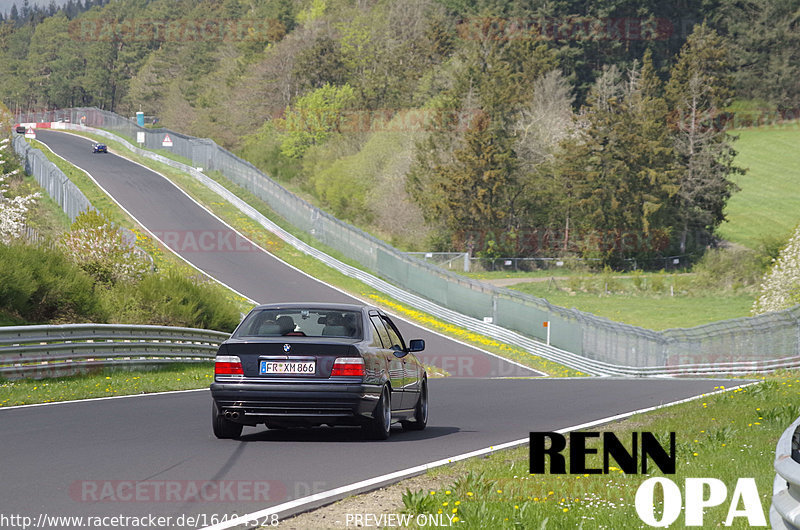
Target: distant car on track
[[99, 148], [304, 365]]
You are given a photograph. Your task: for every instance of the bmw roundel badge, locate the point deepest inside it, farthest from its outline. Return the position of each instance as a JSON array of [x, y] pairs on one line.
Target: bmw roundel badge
[[286, 348]]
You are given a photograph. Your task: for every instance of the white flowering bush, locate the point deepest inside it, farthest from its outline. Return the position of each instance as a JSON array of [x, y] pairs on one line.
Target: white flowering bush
[[99, 248], [780, 288], [12, 210]]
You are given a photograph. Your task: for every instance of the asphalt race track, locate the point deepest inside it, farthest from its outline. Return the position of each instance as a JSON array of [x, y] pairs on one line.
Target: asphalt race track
[[88, 458]]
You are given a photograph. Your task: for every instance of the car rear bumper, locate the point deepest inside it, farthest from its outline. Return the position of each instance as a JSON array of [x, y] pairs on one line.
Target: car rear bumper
[[317, 403]]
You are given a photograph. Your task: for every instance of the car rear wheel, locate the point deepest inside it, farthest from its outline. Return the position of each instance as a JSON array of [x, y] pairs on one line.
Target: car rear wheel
[[420, 411], [379, 426], [224, 428]]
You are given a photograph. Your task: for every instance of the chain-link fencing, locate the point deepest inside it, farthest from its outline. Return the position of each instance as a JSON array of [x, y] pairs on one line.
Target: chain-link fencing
[[759, 342], [58, 186]]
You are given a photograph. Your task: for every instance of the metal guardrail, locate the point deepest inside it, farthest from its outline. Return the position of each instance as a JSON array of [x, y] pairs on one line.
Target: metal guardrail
[[48, 350], [784, 514], [586, 342]]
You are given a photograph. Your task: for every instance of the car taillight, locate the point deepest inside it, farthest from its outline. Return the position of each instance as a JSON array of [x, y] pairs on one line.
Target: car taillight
[[348, 366], [228, 365]]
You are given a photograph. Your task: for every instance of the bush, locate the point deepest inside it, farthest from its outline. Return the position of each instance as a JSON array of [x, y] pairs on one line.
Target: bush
[[263, 149], [42, 285], [780, 287], [97, 246], [172, 299], [728, 268]]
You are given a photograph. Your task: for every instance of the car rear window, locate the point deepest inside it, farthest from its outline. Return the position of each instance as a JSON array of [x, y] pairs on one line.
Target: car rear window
[[301, 322]]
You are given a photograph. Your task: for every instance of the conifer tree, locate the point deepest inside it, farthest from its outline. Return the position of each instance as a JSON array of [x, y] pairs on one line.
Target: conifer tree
[[477, 190], [699, 87]]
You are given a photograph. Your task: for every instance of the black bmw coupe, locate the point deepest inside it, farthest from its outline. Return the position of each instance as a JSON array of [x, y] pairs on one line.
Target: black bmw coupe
[[304, 365]]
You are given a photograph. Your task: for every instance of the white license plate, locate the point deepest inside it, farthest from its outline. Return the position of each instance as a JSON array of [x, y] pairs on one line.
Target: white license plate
[[288, 367]]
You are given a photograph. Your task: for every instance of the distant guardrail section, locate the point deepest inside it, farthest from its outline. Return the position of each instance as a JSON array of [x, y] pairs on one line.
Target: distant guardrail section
[[52, 350], [753, 344]]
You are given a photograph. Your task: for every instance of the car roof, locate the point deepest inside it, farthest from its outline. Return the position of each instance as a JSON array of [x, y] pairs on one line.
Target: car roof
[[315, 305]]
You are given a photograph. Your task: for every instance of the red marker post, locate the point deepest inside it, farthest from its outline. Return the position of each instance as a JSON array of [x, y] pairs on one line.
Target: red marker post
[[546, 324]]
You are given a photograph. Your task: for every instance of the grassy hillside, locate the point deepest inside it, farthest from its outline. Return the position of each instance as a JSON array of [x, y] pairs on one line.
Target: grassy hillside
[[768, 205], [652, 311]]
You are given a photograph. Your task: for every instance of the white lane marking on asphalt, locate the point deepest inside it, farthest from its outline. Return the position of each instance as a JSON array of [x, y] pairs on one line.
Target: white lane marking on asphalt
[[105, 398], [320, 499], [266, 252]]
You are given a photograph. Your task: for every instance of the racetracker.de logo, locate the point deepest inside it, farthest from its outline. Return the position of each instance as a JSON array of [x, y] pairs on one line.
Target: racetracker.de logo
[[205, 241], [177, 490], [180, 30], [571, 28], [474, 365]]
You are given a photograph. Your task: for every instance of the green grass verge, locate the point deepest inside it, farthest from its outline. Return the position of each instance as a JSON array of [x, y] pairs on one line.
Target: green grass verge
[[726, 436], [308, 264], [105, 383], [538, 273], [768, 205], [653, 311]]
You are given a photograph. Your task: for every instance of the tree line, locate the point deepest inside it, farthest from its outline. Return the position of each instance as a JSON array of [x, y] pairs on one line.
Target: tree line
[[551, 129]]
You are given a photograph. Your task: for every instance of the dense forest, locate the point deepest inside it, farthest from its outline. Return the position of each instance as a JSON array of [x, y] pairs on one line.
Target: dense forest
[[594, 129]]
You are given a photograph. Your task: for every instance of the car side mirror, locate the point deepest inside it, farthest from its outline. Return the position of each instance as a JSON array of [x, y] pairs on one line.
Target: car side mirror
[[416, 345]]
